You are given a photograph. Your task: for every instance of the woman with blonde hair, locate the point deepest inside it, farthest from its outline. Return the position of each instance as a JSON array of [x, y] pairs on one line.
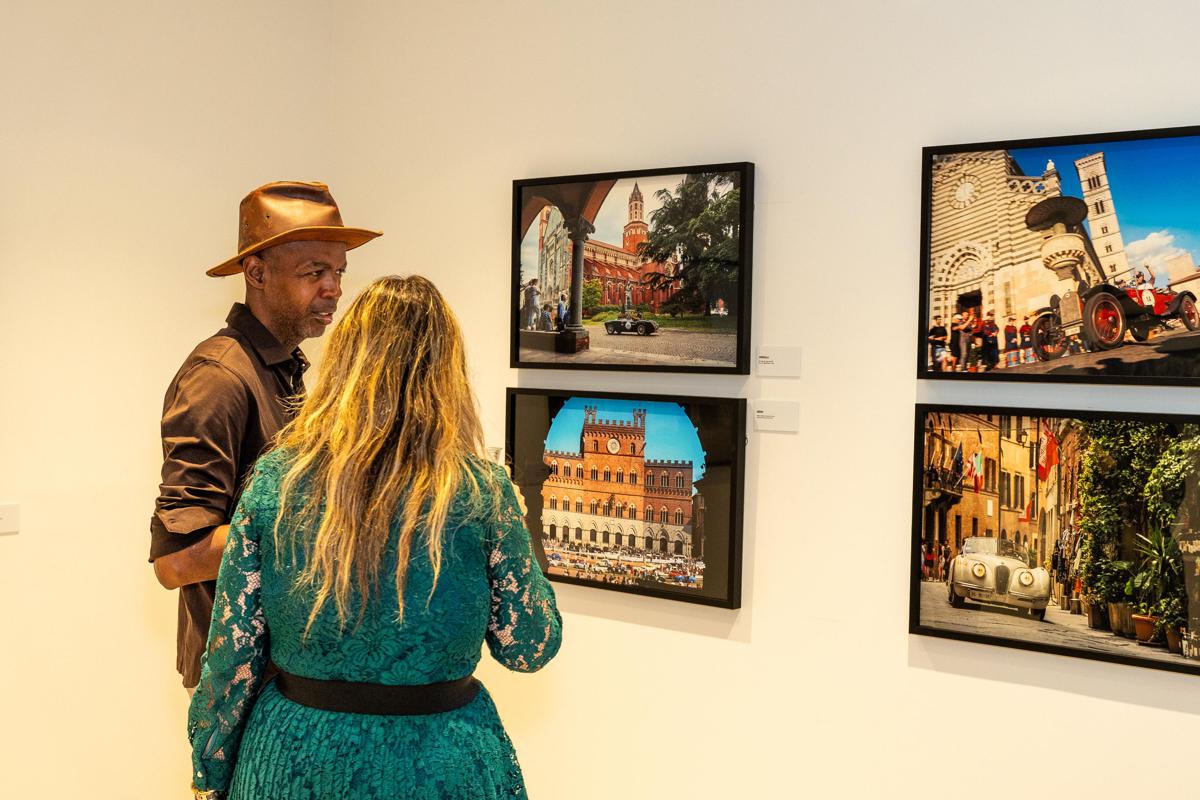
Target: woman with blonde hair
[[372, 553]]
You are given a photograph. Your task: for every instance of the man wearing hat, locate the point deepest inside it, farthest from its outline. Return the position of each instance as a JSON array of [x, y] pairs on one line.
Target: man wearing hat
[[229, 398]]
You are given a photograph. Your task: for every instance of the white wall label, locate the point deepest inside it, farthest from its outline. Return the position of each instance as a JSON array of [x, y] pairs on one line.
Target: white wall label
[[10, 519], [777, 415], [778, 362]]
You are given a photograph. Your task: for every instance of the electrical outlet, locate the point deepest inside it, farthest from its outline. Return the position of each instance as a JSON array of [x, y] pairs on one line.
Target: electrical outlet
[[10, 519]]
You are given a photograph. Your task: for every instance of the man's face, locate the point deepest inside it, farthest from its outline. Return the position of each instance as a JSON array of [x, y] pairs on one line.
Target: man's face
[[301, 283]]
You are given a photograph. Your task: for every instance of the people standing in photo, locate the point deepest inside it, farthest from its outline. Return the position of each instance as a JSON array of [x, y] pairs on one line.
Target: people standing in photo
[[1026, 333], [954, 341], [562, 311], [937, 345], [991, 342], [531, 306], [235, 389], [967, 336], [1012, 353], [545, 323]]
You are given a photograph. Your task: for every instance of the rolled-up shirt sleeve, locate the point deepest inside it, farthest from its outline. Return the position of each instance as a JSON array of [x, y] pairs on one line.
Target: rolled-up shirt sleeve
[[203, 423]]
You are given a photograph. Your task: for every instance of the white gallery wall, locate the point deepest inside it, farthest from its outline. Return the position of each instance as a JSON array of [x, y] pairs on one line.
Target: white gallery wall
[[129, 136]]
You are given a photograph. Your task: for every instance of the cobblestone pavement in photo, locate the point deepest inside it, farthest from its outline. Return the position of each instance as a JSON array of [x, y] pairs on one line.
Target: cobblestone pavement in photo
[[1061, 628], [667, 347]]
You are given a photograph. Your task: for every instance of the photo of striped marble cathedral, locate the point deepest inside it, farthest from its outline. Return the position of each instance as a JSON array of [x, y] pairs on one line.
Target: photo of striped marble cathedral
[[607, 496]]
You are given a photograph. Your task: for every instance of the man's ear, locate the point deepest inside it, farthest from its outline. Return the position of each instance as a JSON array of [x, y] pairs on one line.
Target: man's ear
[[255, 270]]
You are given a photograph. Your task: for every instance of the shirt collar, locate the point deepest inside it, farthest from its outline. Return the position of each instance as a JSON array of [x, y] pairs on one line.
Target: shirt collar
[[262, 340]]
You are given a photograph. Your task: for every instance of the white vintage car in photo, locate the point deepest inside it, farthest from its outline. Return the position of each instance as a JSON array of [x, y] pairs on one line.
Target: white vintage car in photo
[[989, 570]]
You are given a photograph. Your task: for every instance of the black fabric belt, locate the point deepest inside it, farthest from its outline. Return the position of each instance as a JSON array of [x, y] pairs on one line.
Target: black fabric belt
[[377, 698]]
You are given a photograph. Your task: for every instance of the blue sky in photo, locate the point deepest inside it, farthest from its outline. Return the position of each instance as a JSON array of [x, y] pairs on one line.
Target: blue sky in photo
[[670, 433], [1154, 185]]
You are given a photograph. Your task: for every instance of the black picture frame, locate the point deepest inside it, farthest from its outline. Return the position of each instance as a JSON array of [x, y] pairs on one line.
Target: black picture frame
[[1128, 363], [920, 588], [522, 221], [722, 437]]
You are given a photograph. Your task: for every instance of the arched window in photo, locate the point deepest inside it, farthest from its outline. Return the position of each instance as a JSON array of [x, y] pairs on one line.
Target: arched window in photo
[[595, 445], [648, 542], [578, 506], [608, 508], [578, 534], [678, 480], [678, 516], [632, 511], [593, 506], [633, 477], [662, 542], [595, 474], [553, 503], [607, 475], [579, 470], [620, 475], [664, 480], [592, 535], [662, 516], [553, 467], [650, 479], [649, 513]]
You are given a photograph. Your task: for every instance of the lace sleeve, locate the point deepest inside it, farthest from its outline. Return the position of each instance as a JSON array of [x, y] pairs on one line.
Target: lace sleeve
[[525, 630], [238, 646]]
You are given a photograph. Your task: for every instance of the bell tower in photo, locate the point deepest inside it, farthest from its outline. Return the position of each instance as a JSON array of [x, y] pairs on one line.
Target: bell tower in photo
[[636, 231], [1102, 216]]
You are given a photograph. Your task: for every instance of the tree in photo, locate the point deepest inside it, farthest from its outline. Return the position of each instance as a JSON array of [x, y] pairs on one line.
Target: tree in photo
[[591, 295], [699, 224]]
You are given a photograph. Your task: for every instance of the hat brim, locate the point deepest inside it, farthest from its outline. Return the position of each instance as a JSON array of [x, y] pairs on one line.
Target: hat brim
[[351, 237]]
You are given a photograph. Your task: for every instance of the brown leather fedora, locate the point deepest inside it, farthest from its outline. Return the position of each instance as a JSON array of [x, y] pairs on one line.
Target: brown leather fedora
[[289, 211]]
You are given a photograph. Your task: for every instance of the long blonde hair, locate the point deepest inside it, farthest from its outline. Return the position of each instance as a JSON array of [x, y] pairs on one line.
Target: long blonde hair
[[391, 424]]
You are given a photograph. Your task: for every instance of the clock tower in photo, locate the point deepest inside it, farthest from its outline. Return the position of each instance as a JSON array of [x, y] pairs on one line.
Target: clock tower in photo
[[609, 495]]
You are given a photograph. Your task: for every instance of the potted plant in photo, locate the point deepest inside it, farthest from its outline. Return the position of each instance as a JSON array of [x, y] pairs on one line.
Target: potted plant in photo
[[1159, 574], [1171, 619]]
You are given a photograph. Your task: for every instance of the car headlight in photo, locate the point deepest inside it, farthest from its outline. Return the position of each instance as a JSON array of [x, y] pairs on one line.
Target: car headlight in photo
[[1026, 579], [978, 570]]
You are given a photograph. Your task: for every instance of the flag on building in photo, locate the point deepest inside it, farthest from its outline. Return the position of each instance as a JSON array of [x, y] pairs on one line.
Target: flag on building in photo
[[956, 466], [1027, 514], [974, 471], [1047, 451]]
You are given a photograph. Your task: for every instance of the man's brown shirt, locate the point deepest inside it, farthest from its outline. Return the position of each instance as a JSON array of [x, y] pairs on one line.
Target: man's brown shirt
[[221, 411]]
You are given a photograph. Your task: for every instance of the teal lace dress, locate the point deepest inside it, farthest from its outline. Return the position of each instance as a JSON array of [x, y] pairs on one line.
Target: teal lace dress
[[258, 745]]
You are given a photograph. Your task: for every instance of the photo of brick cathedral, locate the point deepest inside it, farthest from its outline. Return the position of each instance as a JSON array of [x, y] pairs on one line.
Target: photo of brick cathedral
[[622, 274], [607, 495]]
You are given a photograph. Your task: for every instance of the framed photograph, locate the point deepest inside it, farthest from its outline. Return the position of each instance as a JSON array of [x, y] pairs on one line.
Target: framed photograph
[[1067, 532], [646, 270], [1065, 259], [633, 492]]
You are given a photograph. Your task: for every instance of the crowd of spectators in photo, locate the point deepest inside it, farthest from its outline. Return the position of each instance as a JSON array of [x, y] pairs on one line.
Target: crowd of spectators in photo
[[623, 564], [972, 343]]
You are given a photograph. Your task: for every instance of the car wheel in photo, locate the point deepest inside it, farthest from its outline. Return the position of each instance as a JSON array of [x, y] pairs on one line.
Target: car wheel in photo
[[1103, 321], [1189, 314], [643, 329], [955, 600]]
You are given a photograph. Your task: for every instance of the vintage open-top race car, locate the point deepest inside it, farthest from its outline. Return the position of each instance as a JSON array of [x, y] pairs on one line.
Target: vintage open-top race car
[[1100, 316], [989, 570], [642, 327]]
